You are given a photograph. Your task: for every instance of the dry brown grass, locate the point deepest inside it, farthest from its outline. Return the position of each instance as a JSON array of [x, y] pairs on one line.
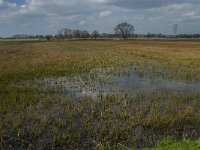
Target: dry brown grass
[[35, 118], [181, 59]]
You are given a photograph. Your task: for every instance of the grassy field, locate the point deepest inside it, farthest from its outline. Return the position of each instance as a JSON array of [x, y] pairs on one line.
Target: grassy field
[[35, 118]]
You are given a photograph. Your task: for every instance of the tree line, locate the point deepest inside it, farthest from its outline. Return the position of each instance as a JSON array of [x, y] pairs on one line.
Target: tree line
[[123, 30], [69, 33]]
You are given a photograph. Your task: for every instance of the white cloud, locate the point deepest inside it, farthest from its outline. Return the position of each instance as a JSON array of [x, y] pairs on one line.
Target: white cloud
[[82, 22], [50, 15], [189, 14], [99, 1], [170, 8], [104, 13], [1, 2]]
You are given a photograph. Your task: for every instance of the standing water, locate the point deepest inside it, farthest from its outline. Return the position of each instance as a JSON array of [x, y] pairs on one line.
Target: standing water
[[110, 81]]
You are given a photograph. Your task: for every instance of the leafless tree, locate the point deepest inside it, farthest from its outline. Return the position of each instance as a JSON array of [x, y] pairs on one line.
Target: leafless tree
[[85, 34], [77, 33], [68, 33], [95, 34], [60, 34], [124, 29]]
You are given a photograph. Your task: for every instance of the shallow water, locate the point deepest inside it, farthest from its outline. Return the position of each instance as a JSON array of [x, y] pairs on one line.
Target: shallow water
[[111, 81]]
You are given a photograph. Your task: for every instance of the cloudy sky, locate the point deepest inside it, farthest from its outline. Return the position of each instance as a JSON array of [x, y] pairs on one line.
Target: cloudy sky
[[48, 16]]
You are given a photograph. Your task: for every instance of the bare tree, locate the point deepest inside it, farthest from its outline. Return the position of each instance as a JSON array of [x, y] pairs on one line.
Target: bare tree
[[77, 33], [148, 35], [68, 33], [124, 29], [48, 37], [95, 34], [60, 34], [85, 34]]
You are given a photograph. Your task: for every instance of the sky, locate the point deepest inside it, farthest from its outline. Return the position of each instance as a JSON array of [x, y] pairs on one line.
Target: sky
[[48, 16]]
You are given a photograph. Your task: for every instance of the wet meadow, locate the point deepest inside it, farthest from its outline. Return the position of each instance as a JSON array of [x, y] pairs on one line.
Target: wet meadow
[[98, 94]]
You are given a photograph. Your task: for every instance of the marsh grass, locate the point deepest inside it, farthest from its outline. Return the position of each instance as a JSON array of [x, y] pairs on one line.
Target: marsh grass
[[37, 118], [174, 145]]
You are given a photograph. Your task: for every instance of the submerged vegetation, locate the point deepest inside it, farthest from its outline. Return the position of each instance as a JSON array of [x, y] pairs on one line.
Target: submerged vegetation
[[36, 117]]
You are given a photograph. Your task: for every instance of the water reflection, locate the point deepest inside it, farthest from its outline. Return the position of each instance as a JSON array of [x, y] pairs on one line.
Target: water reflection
[[111, 81]]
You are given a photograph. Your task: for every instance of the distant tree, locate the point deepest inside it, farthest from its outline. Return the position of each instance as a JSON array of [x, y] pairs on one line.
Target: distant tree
[[124, 29], [148, 35], [105, 35], [85, 34], [95, 34], [68, 33], [160, 35], [48, 37], [77, 34], [60, 34], [39, 36]]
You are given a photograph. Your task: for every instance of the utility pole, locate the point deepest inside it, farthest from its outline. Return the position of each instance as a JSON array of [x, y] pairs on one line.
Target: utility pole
[[175, 29]]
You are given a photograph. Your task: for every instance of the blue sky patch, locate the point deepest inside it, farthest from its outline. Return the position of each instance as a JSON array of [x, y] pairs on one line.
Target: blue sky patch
[[18, 2]]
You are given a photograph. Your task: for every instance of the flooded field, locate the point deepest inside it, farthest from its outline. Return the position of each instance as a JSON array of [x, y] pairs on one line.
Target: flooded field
[[109, 81], [98, 94]]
